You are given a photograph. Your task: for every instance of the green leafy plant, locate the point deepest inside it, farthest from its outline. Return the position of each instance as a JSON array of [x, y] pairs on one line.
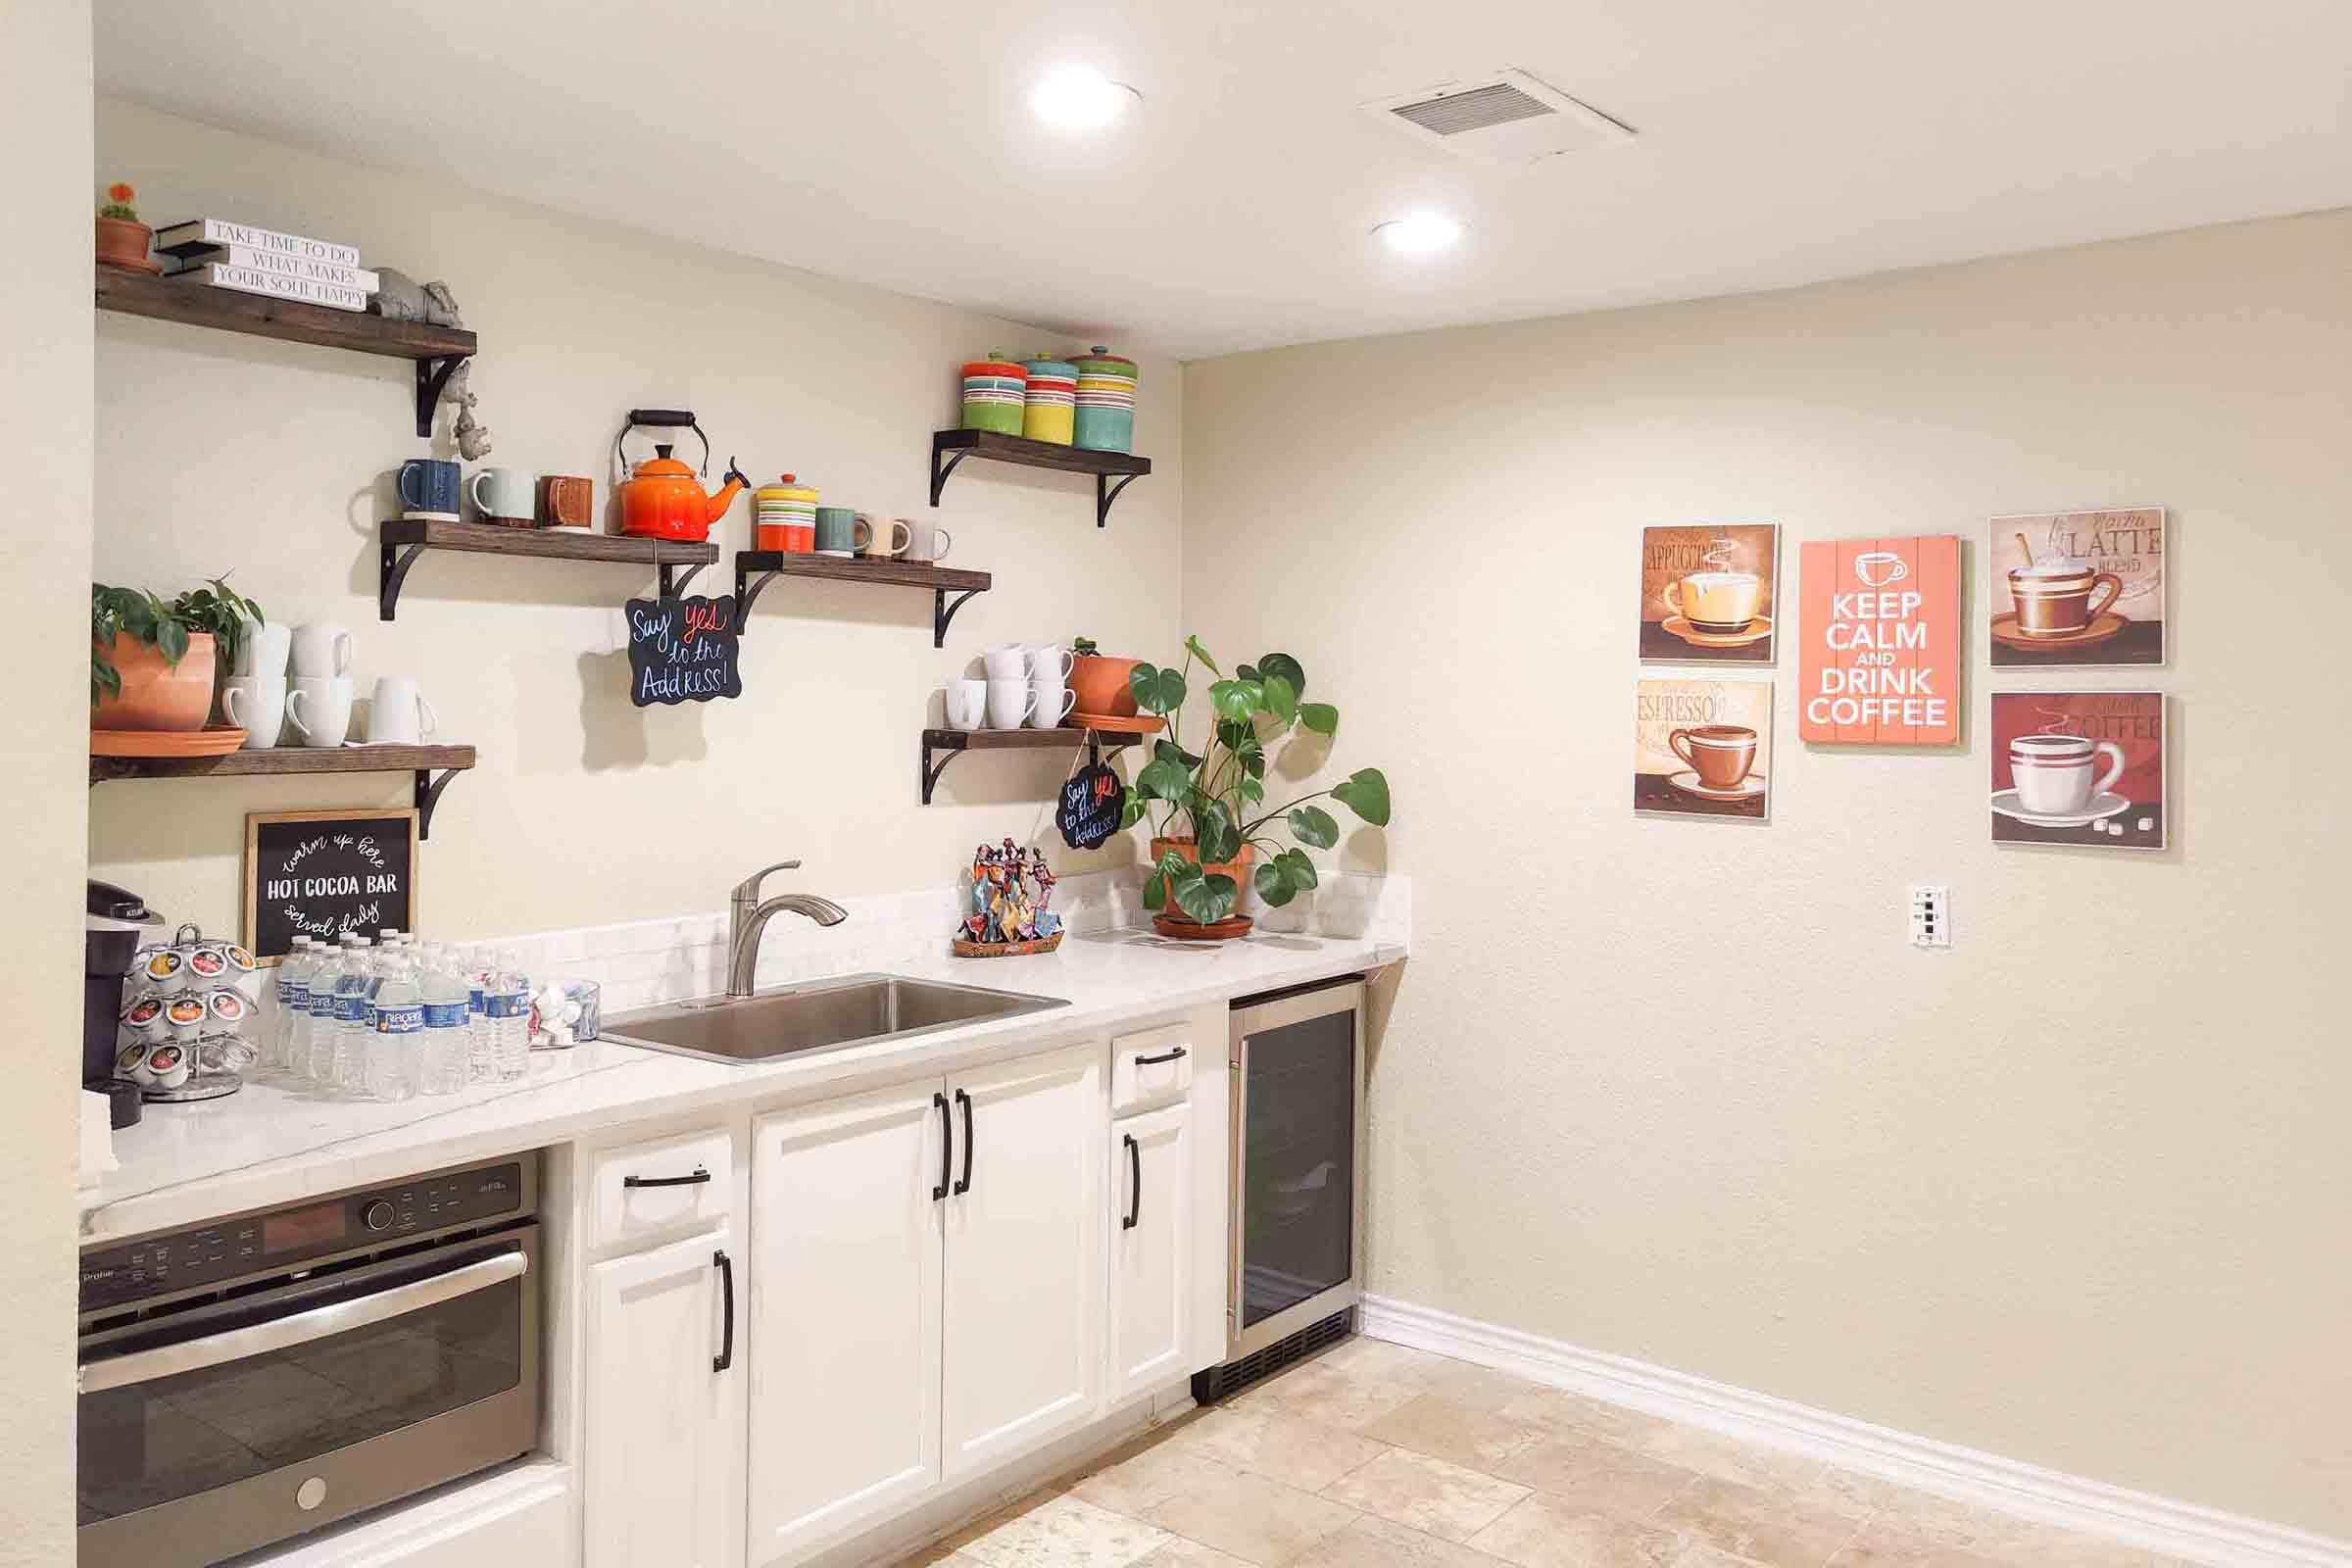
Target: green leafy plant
[[118, 198], [1084, 646], [1217, 797], [219, 609]]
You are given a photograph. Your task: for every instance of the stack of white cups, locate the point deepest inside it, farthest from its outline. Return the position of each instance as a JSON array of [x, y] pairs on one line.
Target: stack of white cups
[[320, 701], [254, 697], [1048, 673], [1026, 684]]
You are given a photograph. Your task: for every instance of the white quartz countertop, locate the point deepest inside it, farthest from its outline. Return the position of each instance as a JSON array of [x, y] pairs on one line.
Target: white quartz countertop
[[280, 1139]]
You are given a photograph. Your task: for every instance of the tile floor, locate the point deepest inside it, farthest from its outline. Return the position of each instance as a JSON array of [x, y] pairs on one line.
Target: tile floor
[[1371, 1455]]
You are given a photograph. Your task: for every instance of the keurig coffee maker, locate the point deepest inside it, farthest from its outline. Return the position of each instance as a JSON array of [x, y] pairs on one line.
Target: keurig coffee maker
[[111, 929]]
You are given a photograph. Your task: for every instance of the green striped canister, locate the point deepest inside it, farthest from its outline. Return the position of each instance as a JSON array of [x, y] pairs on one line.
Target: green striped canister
[[994, 390], [1106, 412]]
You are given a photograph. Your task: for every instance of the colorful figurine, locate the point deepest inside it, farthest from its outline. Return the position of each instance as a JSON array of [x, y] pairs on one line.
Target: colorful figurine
[[1006, 901]]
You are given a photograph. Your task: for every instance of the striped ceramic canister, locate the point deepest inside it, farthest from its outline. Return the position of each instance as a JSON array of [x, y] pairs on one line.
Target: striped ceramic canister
[[784, 515], [993, 391], [1053, 400], [1105, 421]]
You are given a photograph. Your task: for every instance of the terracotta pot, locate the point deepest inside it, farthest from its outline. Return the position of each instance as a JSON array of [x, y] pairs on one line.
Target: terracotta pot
[[1100, 686], [1237, 868], [124, 242], [154, 695]]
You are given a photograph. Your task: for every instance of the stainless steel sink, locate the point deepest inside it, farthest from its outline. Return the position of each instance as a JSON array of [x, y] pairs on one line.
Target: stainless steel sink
[[824, 1015]]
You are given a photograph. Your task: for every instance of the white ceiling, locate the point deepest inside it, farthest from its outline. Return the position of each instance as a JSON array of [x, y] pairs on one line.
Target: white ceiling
[[1779, 142]]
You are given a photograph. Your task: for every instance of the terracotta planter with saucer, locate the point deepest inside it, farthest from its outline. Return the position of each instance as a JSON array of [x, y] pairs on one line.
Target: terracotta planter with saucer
[[1100, 686], [1171, 921], [122, 242], [154, 695]]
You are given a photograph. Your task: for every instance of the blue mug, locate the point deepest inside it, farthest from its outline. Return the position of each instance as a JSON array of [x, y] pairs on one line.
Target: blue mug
[[429, 488]]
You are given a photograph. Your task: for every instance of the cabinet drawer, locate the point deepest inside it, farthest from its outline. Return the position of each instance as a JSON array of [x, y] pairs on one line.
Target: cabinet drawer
[[1150, 1067], [670, 1186]]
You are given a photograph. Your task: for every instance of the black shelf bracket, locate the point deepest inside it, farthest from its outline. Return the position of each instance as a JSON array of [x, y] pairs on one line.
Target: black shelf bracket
[[672, 589], [747, 590], [942, 611], [392, 571], [432, 374], [939, 474], [944, 751], [1105, 493], [429, 796]]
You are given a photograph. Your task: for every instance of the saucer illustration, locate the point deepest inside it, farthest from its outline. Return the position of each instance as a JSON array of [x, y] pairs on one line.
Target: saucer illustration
[[1757, 630], [2108, 623], [1750, 788], [2108, 804]]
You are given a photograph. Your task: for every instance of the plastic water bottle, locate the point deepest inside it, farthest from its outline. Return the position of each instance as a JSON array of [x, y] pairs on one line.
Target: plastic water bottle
[[448, 1007], [354, 990], [397, 1043], [481, 1059], [293, 1003], [510, 1002], [326, 980]]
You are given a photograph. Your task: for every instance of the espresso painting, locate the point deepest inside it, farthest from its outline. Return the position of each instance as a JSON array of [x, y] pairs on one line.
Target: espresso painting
[[1703, 747], [2078, 589], [2078, 768], [1710, 595]]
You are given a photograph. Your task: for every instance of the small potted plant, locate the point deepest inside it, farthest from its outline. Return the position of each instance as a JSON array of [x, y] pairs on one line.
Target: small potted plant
[[1100, 684], [1209, 811], [152, 663], [122, 240]]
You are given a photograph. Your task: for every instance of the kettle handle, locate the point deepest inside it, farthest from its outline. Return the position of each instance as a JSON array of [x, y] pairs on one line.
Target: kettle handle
[[659, 418]]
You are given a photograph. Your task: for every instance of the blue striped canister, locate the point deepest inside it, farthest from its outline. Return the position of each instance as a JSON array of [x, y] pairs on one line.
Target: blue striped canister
[[1105, 416], [1048, 413], [994, 390]]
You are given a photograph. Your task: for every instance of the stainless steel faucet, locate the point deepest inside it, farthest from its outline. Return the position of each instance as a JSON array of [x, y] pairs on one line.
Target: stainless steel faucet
[[748, 917]]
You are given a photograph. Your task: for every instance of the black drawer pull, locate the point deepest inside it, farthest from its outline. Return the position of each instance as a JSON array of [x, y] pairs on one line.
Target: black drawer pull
[[725, 1265], [698, 1177], [1176, 1055], [946, 1147], [1135, 1175], [966, 1185]]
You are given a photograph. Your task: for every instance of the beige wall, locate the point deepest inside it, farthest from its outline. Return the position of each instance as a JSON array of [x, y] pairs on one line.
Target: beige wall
[[44, 558], [2073, 1191], [219, 451]]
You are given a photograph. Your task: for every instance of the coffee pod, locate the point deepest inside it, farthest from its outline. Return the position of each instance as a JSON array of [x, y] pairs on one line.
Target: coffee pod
[[127, 1060], [143, 1019], [244, 971], [183, 1017], [165, 969], [226, 1009], [208, 963], [164, 1067]]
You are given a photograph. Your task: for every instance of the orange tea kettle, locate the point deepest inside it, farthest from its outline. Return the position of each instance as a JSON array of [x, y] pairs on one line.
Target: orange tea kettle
[[663, 498]]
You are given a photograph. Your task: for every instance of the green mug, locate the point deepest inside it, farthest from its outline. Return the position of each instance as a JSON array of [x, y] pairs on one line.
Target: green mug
[[836, 531], [505, 495]]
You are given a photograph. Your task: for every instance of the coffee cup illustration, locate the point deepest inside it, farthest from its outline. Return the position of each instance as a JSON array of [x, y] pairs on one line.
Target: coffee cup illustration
[[1722, 604], [2060, 598], [1721, 755], [2058, 775], [1877, 568]]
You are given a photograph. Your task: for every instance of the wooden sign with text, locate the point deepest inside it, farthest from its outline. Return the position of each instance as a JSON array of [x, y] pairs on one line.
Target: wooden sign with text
[[1878, 640], [326, 873]]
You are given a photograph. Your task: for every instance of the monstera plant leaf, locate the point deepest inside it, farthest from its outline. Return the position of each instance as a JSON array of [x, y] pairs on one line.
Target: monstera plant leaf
[[1237, 700], [1321, 718], [1163, 780], [1217, 835], [1156, 690], [1365, 792], [1284, 876], [1282, 699], [1285, 667], [1311, 824], [1192, 646]]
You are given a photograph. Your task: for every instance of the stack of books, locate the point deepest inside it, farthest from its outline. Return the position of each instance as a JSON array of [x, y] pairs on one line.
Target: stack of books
[[263, 260]]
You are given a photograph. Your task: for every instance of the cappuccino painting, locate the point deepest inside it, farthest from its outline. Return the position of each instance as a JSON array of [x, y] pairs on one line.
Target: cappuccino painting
[[2078, 589], [1709, 594], [1703, 747], [2078, 768]]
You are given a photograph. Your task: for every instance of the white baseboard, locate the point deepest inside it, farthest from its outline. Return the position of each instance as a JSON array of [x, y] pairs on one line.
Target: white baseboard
[[1988, 1481]]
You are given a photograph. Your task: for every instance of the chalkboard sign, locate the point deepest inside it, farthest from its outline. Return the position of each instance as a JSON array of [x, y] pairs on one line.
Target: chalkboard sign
[[1092, 802], [683, 651], [322, 873]]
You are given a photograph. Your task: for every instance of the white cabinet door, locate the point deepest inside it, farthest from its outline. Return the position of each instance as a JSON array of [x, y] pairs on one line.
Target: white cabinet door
[[665, 1425], [844, 1328], [1025, 1256], [1152, 1246]]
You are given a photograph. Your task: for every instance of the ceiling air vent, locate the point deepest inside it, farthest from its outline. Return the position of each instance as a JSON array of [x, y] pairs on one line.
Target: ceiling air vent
[[1508, 117]]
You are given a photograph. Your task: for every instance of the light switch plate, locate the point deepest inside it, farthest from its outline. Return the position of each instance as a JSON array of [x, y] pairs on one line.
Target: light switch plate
[[1930, 916]]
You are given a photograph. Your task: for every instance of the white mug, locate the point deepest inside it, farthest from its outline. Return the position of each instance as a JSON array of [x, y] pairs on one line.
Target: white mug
[[966, 704], [256, 705], [320, 707], [926, 541], [321, 649], [1006, 662], [264, 651], [1050, 702], [398, 714], [1010, 704], [1051, 659], [881, 538]]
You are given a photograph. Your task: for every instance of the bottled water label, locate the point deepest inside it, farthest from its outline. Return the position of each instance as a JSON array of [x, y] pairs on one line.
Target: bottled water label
[[400, 1018], [290, 995], [351, 1007], [445, 1014], [510, 1005], [323, 1002], [475, 1002]]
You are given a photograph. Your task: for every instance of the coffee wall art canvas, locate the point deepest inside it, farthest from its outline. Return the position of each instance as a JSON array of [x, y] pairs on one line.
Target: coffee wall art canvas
[[1878, 641], [2079, 589], [2078, 768], [1703, 747], [1708, 594]]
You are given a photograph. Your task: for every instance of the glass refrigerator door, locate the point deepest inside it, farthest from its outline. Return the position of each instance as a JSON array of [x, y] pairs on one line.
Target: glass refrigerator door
[[1298, 1144]]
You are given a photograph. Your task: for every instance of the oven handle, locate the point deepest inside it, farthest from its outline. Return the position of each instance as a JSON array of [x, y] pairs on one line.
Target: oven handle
[[297, 1328]]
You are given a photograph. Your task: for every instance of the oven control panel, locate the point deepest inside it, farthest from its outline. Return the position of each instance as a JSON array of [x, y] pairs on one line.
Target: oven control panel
[[269, 1242]]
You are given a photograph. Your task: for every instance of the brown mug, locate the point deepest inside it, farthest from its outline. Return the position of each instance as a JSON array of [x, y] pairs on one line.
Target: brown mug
[[1721, 755], [2059, 604], [566, 500]]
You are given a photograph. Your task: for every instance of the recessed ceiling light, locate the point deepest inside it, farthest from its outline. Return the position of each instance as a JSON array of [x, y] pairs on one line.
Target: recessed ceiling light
[[1419, 233], [1080, 98]]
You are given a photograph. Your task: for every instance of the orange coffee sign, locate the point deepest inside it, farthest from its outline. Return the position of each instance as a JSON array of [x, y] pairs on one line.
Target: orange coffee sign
[[1879, 628]]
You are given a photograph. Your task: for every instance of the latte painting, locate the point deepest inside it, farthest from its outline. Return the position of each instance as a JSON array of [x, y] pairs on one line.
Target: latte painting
[[2078, 768], [1703, 747], [1708, 595], [2078, 589]]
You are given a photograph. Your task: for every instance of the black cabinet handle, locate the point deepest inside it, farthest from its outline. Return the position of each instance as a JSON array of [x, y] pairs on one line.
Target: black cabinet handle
[[946, 1147], [966, 1185], [698, 1177], [1135, 1178], [1166, 1056], [725, 1357]]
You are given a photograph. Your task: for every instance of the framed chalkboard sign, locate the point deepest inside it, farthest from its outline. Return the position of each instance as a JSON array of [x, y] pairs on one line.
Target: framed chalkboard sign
[[683, 651], [322, 873]]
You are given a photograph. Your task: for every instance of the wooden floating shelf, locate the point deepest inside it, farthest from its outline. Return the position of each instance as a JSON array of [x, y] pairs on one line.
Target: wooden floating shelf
[[943, 746], [421, 761], [951, 447], [754, 569], [404, 539], [436, 350]]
